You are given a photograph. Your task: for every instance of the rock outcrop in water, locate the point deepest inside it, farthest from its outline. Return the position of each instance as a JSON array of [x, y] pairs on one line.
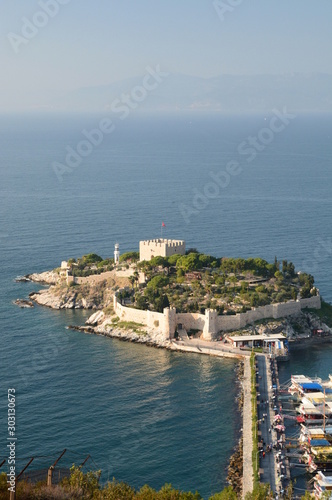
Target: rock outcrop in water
[[24, 303], [81, 296], [48, 277]]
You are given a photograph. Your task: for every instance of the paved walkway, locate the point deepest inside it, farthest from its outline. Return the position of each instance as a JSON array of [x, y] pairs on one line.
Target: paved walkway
[[247, 430], [212, 348]]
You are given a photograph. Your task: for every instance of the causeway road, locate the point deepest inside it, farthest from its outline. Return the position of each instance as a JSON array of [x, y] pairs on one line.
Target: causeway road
[[266, 458]]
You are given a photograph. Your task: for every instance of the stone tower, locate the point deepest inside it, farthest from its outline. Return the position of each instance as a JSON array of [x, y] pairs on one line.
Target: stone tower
[[116, 254]]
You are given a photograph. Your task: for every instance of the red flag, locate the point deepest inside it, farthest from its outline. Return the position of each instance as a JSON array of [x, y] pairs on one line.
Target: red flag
[[163, 224]]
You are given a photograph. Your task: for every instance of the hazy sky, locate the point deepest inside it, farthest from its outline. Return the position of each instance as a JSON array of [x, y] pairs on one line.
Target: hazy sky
[[88, 43]]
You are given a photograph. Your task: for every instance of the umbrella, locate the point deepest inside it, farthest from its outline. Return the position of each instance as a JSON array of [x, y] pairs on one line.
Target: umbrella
[[280, 427]]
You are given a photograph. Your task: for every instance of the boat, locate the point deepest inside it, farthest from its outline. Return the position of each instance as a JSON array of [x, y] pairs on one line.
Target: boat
[[322, 485], [316, 407], [302, 385]]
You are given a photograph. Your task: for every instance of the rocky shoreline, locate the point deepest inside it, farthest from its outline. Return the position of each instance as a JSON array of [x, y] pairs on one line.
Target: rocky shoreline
[[47, 278], [101, 324], [235, 467]]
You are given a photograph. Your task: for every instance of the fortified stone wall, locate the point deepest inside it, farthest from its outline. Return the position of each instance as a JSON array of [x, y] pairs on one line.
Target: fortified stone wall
[[191, 321], [150, 319], [312, 303], [210, 323]]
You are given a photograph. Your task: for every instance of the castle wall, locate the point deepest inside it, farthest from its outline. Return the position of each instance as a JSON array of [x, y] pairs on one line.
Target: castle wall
[[130, 314], [191, 321], [210, 324], [148, 318], [286, 309], [311, 303]]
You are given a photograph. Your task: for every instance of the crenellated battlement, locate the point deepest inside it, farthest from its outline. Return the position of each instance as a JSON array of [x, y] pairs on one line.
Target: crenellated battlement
[[161, 247]]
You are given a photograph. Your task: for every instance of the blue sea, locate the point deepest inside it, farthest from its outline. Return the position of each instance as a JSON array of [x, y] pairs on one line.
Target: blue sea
[[147, 415]]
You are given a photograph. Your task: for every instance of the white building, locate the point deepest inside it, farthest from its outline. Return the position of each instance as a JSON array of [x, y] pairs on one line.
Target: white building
[[160, 247], [116, 254]]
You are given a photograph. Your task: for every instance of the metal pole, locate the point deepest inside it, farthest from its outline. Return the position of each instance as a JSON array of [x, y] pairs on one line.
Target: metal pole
[[49, 476], [83, 463], [50, 470]]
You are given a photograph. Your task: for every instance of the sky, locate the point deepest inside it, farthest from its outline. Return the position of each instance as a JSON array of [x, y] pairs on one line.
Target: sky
[[85, 43]]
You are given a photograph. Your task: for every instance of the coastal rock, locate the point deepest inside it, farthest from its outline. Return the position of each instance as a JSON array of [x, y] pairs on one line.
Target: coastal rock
[[24, 303], [95, 318], [22, 279], [150, 337], [86, 329], [45, 298], [49, 277], [66, 300]]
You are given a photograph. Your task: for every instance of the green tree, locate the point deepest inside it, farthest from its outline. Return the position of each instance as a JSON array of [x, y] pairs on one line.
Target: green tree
[[132, 280], [91, 258], [189, 262], [169, 493], [226, 494], [233, 280], [172, 260], [88, 482], [118, 491], [260, 492], [159, 261], [254, 300], [305, 292], [132, 256], [279, 276], [158, 282], [284, 266], [141, 302], [160, 303], [136, 276], [291, 270], [3, 483]]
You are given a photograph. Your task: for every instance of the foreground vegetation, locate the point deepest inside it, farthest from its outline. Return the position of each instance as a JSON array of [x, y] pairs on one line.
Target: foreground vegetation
[[85, 486]]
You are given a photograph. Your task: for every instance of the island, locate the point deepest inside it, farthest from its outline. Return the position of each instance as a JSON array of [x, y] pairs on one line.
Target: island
[[165, 295]]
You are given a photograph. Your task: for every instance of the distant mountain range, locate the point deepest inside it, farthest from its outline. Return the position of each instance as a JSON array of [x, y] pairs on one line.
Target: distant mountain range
[[227, 93]]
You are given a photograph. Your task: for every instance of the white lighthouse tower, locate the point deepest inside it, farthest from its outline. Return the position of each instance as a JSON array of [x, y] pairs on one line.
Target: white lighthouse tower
[[116, 254]]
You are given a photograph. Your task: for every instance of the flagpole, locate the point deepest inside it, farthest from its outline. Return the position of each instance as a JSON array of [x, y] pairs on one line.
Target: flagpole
[[161, 229]]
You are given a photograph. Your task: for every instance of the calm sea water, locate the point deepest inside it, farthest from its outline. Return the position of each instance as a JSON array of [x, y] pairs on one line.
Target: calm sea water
[[146, 415]]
